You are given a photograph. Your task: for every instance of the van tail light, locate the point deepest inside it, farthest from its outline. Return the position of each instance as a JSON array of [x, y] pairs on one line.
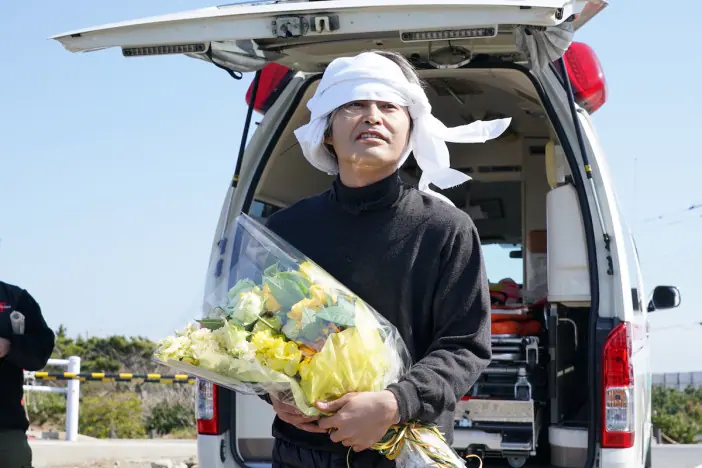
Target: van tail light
[[618, 389], [207, 414], [273, 80], [586, 76]]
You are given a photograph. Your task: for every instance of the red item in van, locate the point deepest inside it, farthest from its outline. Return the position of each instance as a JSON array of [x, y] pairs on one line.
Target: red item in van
[[529, 328], [507, 327]]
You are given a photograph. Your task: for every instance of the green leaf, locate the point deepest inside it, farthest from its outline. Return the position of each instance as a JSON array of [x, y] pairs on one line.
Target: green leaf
[[269, 323], [329, 298], [290, 330], [241, 286], [272, 270], [296, 277], [211, 323], [286, 291], [341, 314], [308, 316], [311, 332]]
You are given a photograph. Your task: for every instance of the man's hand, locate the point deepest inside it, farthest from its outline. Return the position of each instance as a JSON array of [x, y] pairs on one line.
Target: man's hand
[[360, 419], [4, 347], [294, 416]]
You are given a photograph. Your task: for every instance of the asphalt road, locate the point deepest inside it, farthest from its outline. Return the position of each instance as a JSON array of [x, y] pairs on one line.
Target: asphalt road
[[677, 456], [49, 454], [104, 453]]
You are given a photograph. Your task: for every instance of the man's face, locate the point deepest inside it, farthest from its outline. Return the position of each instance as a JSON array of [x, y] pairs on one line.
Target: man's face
[[369, 135]]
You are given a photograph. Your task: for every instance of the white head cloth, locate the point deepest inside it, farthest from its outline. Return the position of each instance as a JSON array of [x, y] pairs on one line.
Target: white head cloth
[[372, 77]]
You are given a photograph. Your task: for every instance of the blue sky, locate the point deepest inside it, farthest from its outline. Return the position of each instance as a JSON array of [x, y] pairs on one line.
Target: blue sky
[[114, 170]]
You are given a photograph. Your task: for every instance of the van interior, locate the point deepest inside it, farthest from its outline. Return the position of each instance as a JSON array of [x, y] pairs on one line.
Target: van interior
[[539, 361]]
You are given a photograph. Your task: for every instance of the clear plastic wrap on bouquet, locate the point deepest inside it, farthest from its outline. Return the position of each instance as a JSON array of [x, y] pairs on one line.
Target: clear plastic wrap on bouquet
[[276, 323]]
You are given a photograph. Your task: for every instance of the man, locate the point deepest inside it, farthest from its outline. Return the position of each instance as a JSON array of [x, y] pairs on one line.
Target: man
[[26, 346], [409, 253]]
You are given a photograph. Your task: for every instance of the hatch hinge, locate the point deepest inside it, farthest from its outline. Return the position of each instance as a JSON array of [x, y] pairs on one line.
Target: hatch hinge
[[296, 26]]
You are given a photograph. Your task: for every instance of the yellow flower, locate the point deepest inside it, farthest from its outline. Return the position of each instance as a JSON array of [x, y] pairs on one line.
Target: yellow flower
[[275, 353], [313, 303], [305, 368], [316, 275], [340, 368], [318, 293], [269, 301], [306, 268], [307, 351]]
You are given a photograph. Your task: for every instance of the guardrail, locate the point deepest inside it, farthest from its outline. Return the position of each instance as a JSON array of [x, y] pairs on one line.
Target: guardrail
[[71, 390], [679, 380], [73, 378]]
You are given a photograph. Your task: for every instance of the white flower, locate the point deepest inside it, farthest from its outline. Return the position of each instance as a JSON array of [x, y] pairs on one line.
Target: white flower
[[247, 307], [174, 347], [186, 345], [202, 342], [233, 340]]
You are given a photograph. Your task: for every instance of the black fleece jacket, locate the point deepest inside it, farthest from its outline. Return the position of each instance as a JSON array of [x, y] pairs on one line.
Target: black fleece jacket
[[418, 262], [29, 351]]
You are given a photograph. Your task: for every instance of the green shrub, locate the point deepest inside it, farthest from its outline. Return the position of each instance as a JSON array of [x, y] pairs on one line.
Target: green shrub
[[166, 417], [677, 413], [46, 409], [117, 414]]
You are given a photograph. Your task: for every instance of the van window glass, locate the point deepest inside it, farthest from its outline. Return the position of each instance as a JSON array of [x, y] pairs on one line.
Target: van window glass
[[262, 210], [500, 265]]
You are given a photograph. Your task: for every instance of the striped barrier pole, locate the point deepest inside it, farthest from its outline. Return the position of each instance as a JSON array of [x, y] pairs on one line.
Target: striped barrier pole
[[74, 377], [115, 377]]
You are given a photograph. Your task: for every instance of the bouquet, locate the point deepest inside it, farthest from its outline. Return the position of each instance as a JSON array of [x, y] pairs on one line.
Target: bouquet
[[276, 323]]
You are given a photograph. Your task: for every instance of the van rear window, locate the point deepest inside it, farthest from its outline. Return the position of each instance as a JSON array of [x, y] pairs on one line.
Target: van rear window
[[262, 210]]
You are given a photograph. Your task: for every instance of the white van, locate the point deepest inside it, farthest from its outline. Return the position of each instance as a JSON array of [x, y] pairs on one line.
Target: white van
[[572, 391]]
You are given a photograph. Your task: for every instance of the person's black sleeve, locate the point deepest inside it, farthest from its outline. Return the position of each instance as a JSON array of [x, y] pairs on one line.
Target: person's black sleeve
[[461, 348], [32, 350]]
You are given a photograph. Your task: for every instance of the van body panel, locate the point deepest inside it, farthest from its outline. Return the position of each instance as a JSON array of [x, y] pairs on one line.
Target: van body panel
[[625, 281], [620, 458], [208, 452], [621, 289]]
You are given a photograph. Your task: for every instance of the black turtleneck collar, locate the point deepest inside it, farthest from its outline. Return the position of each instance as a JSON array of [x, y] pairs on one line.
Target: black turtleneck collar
[[377, 195]]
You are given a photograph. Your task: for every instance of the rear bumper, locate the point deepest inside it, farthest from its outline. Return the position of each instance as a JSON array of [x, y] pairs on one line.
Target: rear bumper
[[620, 458]]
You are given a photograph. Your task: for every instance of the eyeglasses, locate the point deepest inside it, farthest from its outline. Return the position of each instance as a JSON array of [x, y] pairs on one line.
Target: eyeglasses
[[357, 109]]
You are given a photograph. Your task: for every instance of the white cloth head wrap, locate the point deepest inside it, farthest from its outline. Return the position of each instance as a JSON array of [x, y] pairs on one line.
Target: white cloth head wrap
[[372, 77]]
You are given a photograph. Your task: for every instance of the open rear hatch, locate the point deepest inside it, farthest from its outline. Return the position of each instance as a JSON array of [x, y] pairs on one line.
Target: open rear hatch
[[307, 35]]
